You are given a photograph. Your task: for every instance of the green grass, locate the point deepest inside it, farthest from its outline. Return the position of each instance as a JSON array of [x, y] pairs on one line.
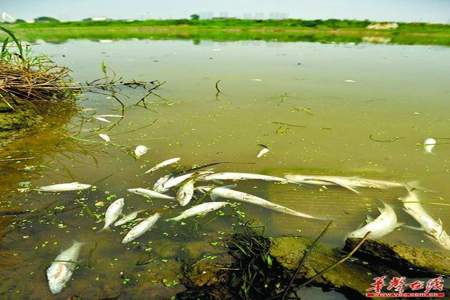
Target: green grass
[[326, 31]]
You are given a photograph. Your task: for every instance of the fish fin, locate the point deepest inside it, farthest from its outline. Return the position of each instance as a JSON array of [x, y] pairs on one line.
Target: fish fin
[[399, 224], [369, 219], [412, 227], [213, 197]]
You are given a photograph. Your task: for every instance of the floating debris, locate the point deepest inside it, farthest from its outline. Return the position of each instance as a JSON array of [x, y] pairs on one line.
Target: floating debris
[[350, 81], [149, 193], [263, 151], [61, 270], [200, 209], [429, 145], [163, 164], [105, 137], [140, 151], [185, 193], [384, 224], [141, 228], [113, 212], [64, 187]]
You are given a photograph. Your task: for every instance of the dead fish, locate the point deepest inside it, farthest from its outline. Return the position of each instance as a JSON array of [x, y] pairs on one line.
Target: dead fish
[[349, 183], [109, 116], [113, 212], [431, 227], [128, 218], [226, 193], [163, 164], [241, 176], [263, 151], [149, 193], [140, 150], [64, 187], [384, 224], [105, 137], [174, 181], [200, 209], [141, 228], [185, 193], [158, 184], [429, 144], [102, 119], [61, 270]]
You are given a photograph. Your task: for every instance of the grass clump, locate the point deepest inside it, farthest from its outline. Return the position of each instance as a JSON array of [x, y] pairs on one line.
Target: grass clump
[[24, 76]]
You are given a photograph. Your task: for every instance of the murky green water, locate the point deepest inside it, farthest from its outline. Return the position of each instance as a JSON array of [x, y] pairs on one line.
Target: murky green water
[[341, 99]]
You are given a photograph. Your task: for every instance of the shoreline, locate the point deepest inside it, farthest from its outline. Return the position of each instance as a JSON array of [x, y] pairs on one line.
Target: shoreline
[[328, 31]]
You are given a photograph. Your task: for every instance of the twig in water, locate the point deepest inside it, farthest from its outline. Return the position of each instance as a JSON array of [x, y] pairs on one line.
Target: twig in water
[[288, 124], [16, 159], [218, 89], [342, 260], [394, 139], [303, 260]]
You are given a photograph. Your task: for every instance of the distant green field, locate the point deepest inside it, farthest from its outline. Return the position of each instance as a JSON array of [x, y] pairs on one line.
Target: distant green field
[[327, 31]]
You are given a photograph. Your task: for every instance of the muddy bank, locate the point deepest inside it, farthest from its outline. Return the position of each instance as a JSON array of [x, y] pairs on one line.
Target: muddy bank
[[261, 268]]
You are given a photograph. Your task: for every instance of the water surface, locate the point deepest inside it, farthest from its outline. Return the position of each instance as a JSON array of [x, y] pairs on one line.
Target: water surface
[[351, 110]]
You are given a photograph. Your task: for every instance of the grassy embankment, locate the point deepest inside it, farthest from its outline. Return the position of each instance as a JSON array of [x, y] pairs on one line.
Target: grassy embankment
[[326, 31]]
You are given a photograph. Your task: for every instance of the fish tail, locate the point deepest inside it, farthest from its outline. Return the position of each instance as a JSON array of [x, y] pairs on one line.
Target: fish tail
[[106, 228]]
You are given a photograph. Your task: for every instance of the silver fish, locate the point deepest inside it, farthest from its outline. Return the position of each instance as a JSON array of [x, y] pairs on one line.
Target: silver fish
[[432, 228], [128, 218], [384, 224], [163, 164], [113, 212], [101, 119], [61, 270], [200, 209], [241, 176], [149, 193], [346, 182], [222, 192], [185, 193], [109, 116], [263, 151], [64, 187], [174, 181], [159, 183], [105, 137], [140, 151], [141, 228]]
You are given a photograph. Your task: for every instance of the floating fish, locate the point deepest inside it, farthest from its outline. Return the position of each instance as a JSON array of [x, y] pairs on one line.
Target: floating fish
[[113, 212], [128, 218], [185, 193], [64, 187], [174, 181], [429, 144], [61, 270], [109, 116], [200, 209], [102, 119], [163, 164], [140, 150], [105, 137], [158, 186], [141, 228], [384, 224], [149, 193], [432, 228], [349, 183], [226, 193], [263, 151], [241, 176]]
